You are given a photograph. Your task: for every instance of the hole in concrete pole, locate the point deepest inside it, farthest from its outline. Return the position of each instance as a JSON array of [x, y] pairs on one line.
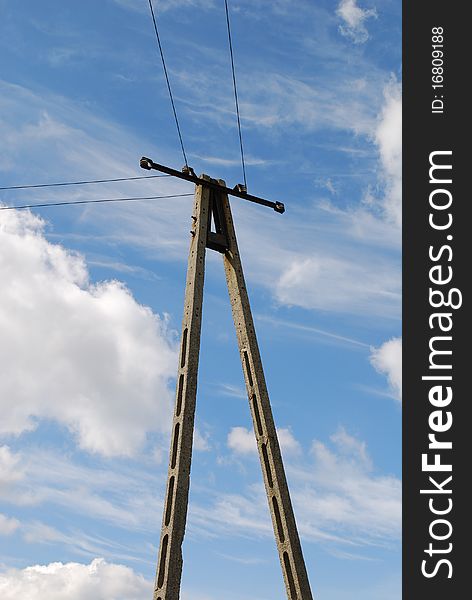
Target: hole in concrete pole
[[170, 494], [278, 520], [248, 368], [256, 414], [162, 564], [267, 465], [291, 582], [184, 347], [180, 390], [175, 445]]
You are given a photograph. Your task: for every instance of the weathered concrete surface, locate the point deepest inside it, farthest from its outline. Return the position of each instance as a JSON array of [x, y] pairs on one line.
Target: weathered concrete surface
[[280, 506], [169, 564]]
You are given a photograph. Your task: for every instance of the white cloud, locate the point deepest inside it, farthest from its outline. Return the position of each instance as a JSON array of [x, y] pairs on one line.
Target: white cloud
[[320, 334], [74, 581], [243, 441], [354, 19], [126, 498], [230, 162], [233, 391], [388, 136], [287, 441], [349, 276], [355, 274], [275, 101], [344, 496], [231, 514], [86, 355], [338, 497], [293, 256], [340, 284], [347, 445], [201, 441], [60, 137], [100, 490], [8, 525], [387, 360], [165, 5], [10, 471]]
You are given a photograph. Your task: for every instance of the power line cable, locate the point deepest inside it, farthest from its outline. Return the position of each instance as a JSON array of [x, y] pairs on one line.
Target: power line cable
[[235, 92], [168, 82], [62, 183], [100, 200]]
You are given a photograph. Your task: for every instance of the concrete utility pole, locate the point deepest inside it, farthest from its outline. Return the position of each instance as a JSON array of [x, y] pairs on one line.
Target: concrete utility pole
[[212, 206]]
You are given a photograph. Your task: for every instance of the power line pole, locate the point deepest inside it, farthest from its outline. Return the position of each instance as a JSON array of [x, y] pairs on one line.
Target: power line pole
[[212, 208]]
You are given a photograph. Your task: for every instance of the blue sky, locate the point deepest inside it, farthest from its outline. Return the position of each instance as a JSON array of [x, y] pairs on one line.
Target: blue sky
[[92, 295]]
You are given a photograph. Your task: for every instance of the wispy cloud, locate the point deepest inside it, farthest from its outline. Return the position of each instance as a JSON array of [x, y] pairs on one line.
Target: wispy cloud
[[354, 18], [320, 281], [275, 101], [10, 470], [343, 493], [332, 270], [339, 498], [218, 160], [8, 524], [112, 509], [165, 5], [242, 441], [330, 336], [233, 391]]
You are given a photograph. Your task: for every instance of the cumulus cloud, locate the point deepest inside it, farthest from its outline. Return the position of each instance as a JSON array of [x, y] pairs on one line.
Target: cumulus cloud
[[387, 360], [243, 441], [86, 355], [388, 136], [99, 580], [354, 19]]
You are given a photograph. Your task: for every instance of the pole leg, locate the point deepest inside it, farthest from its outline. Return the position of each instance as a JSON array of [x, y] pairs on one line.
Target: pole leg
[[169, 564], [278, 496]]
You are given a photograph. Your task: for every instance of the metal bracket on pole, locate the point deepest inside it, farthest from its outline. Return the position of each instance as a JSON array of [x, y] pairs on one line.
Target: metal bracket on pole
[[189, 175]]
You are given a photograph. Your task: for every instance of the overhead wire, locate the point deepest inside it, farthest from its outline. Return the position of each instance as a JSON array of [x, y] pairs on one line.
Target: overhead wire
[[168, 82], [62, 183], [235, 92], [120, 179], [100, 200]]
